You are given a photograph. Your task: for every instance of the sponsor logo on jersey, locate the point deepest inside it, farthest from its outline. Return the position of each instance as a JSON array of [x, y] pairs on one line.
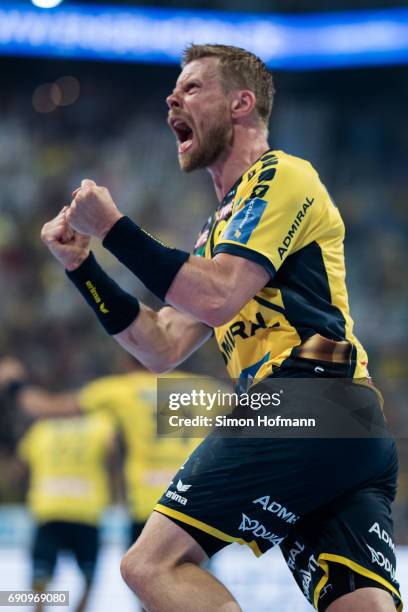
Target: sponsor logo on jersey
[[224, 211], [258, 530], [276, 508], [242, 329], [245, 220], [283, 247], [202, 239]]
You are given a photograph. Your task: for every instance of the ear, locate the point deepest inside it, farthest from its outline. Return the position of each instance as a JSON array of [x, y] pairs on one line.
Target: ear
[[242, 103]]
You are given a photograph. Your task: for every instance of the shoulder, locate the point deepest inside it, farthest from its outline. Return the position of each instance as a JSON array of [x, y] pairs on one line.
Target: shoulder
[[278, 187], [277, 170], [281, 162]]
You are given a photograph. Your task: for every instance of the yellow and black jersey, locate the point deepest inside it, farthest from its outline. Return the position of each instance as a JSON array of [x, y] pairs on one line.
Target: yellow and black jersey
[[67, 460], [151, 461], [280, 215]]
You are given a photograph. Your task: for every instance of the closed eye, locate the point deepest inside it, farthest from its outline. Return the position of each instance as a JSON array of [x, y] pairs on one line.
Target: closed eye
[[190, 87]]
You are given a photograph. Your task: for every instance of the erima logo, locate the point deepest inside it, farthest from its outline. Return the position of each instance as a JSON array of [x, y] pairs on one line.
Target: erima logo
[[182, 487], [294, 228], [96, 297], [176, 497]]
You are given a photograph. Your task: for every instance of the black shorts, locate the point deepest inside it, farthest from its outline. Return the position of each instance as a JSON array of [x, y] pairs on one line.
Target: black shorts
[[55, 536], [324, 501]]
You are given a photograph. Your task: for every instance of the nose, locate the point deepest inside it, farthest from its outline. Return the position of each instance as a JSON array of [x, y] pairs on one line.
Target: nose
[[173, 101]]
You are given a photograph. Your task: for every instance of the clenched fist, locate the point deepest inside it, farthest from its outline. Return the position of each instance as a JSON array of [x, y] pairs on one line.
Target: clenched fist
[[71, 248], [92, 210]]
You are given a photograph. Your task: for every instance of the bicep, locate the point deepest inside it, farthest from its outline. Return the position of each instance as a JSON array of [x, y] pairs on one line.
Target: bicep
[[243, 279], [214, 290]]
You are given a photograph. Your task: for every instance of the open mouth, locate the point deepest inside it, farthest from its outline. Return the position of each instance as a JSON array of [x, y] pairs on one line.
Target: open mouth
[[184, 134]]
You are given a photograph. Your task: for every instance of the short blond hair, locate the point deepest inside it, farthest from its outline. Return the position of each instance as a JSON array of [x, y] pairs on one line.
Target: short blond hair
[[239, 69]]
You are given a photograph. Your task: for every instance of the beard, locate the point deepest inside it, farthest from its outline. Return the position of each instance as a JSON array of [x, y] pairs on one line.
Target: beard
[[212, 144]]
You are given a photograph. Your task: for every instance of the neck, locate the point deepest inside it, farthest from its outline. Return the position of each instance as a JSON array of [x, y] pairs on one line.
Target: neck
[[245, 147]]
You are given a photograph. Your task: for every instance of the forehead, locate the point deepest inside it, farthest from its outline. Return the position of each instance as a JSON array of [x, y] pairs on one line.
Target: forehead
[[205, 69]]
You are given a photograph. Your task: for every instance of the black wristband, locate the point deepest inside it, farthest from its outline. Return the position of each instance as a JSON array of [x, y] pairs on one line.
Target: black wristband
[[115, 308], [154, 263]]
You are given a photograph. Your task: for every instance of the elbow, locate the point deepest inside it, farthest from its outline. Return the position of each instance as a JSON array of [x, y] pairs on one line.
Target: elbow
[[160, 368], [218, 313], [217, 319], [162, 364]]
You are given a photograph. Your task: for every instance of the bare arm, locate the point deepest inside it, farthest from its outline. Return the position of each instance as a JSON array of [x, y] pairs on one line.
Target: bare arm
[[212, 291], [203, 293], [161, 340], [215, 290], [34, 400], [39, 402]]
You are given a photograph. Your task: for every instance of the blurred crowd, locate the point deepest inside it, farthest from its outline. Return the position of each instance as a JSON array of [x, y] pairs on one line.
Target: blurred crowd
[[351, 125]]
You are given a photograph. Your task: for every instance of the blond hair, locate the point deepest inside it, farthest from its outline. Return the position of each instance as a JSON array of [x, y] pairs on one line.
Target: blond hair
[[239, 69]]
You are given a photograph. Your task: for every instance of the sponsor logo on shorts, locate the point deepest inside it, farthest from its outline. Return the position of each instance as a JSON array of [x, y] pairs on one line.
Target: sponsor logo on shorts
[[307, 575], [182, 487], [176, 497], [383, 535], [379, 559], [293, 553], [259, 530], [276, 508], [325, 590]]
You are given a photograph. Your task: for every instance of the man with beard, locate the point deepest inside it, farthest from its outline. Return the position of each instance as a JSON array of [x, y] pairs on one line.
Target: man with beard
[[268, 275]]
